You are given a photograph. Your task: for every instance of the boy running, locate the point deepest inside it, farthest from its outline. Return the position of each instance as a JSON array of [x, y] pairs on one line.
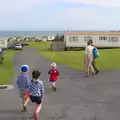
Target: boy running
[[36, 91], [23, 83]]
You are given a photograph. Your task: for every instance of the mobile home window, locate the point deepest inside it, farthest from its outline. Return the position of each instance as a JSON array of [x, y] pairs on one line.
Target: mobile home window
[[113, 39], [73, 38], [102, 38], [87, 38], [2, 41]]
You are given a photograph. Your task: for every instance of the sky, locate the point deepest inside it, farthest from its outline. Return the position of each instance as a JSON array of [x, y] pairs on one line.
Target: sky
[[60, 15]]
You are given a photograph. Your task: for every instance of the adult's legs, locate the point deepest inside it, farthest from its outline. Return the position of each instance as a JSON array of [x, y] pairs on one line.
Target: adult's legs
[[94, 67], [90, 69]]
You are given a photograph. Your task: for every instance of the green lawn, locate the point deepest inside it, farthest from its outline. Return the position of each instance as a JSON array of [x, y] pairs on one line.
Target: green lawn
[[41, 46], [109, 58], [6, 69]]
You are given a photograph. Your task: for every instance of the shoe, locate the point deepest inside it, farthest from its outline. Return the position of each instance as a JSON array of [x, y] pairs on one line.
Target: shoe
[[55, 88], [86, 75], [24, 109], [97, 72]]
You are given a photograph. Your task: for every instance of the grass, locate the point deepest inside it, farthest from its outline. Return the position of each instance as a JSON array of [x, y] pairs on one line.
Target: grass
[[108, 60], [6, 69], [41, 46]]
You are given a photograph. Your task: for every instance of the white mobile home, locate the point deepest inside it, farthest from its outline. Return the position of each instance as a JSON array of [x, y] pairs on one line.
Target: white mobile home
[[50, 38], [3, 42], [100, 39]]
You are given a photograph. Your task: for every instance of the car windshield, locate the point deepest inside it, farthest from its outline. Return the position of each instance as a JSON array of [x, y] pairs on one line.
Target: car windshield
[[18, 45]]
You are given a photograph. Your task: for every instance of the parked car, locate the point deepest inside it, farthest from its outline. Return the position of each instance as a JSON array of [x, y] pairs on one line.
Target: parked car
[[18, 47], [24, 44], [13, 45], [10, 46], [37, 40]]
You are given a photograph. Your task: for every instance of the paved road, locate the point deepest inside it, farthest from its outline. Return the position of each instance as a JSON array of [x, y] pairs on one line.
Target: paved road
[[77, 98]]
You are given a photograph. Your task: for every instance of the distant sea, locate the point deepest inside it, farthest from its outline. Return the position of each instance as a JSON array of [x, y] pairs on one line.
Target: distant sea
[[29, 33]]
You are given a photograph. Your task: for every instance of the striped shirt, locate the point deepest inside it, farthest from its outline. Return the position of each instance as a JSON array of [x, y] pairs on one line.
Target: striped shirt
[[23, 81], [36, 88]]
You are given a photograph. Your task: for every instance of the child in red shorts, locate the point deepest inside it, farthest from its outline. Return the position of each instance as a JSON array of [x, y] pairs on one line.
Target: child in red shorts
[[26, 97], [23, 83], [53, 75]]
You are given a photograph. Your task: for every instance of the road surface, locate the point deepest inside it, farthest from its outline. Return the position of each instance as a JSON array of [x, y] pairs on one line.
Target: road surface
[[77, 98]]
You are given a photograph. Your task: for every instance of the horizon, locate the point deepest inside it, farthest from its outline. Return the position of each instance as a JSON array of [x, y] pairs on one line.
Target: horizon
[[59, 30]]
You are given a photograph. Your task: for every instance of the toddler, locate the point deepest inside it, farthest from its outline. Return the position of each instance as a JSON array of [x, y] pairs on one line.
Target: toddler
[[53, 75]]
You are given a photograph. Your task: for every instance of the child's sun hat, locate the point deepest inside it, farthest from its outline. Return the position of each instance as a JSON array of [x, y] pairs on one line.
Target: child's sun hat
[[24, 68]]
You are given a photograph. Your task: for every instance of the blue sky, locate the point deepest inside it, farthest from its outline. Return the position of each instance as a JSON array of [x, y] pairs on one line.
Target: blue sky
[[60, 15]]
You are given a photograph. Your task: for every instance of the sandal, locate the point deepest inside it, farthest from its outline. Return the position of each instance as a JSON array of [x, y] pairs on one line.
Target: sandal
[[86, 75]]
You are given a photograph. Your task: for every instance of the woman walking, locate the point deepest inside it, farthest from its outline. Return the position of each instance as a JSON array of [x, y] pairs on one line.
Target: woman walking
[[89, 58]]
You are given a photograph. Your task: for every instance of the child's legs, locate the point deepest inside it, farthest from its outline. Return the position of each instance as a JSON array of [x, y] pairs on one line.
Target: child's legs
[[37, 110], [54, 84], [26, 101], [22, 100]]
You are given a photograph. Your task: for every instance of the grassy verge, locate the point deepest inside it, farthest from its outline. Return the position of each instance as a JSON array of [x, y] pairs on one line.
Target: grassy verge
[[108, 60], [6, 69], [41, 46]]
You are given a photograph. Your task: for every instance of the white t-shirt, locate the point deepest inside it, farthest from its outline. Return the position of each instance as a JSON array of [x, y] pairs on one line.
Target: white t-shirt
[[89, 51]]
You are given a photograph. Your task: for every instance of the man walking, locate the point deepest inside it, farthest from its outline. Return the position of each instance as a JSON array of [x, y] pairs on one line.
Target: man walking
[[94, 62]]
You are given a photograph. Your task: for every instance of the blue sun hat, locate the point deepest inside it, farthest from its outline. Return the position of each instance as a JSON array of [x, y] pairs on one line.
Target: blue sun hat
[[24, 68]]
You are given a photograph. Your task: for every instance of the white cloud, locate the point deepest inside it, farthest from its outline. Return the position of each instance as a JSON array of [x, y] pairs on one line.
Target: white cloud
[[114, 3]]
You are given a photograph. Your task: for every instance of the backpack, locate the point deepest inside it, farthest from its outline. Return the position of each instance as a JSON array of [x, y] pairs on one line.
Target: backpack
[[95, 53]]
